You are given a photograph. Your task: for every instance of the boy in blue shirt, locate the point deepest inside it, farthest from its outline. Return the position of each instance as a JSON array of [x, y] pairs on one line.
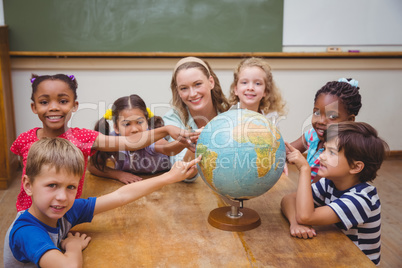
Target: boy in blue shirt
[[353, 154], [40, 235]]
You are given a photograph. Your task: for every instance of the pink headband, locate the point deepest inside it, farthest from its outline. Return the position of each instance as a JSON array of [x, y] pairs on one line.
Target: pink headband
[[191, 59]]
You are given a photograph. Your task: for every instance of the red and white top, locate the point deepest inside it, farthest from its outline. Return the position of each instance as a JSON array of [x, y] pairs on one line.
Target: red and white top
[[82, 138]]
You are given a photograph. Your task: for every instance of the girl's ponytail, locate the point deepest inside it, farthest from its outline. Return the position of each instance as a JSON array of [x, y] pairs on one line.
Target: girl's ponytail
[[99, 159], [102, 126], [155, 122]]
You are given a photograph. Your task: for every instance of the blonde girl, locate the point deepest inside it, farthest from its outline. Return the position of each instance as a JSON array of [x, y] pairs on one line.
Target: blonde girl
[[253, 88]]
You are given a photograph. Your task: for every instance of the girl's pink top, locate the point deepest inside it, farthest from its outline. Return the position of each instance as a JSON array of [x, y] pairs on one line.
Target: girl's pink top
[[82, 138]]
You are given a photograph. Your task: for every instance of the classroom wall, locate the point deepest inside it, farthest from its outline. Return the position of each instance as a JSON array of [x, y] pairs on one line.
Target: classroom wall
[[1, 13], [364, 25], [102, 80]]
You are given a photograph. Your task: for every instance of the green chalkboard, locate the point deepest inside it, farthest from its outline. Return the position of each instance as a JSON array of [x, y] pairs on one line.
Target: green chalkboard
[[145, 25]]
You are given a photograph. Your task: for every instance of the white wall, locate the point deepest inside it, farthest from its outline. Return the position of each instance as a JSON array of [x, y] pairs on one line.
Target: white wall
[[101, 81], [1, 13], [365, 25]]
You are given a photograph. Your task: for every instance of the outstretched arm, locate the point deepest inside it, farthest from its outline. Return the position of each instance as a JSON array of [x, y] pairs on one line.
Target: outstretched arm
[[174, 147], [131, 192], [143, 139], [299, 144], [162, 146]]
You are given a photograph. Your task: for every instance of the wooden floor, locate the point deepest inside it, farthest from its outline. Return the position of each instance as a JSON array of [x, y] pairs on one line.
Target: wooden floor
[[388, 184]]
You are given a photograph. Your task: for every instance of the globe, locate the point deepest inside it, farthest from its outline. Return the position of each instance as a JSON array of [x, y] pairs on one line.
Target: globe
[[243, 156]]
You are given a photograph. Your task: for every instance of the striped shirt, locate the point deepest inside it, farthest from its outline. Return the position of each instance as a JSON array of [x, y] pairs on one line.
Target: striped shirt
[[359, 210]]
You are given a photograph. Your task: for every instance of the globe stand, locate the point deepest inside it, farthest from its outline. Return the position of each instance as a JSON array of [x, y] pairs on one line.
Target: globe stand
[[233, 218]]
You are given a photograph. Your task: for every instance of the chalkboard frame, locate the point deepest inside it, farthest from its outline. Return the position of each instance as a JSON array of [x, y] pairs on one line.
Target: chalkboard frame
[[387, 54], [145, 26]]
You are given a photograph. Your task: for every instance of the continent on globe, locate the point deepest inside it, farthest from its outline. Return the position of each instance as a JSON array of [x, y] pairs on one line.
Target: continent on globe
[[259, 136], [243, 154], [209, 162]]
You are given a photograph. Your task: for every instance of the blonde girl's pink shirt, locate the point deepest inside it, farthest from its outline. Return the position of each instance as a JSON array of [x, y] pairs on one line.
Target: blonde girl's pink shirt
[[82, 138]]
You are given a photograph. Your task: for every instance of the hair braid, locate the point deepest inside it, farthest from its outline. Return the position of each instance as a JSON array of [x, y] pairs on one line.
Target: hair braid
[[349, 95]]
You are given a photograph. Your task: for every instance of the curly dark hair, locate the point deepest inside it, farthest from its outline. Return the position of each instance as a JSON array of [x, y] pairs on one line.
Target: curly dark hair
[[70, 80], [348, 95]]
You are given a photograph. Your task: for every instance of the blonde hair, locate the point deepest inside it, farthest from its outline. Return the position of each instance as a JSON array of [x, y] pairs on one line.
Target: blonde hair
[[54, 152], [219, 100], [273, 102]]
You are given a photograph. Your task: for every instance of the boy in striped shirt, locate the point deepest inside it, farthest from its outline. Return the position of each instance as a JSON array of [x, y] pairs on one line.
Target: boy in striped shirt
[[353, 155]]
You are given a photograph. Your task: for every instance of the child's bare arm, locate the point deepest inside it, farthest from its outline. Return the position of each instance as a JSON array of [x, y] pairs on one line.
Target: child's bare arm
[[288, 207], [72, 257], [173, 148], [294, 156], [124, 177], [162, 146], [306, 213], [143, 139], [131, 192], [299, 144], [188, 157]]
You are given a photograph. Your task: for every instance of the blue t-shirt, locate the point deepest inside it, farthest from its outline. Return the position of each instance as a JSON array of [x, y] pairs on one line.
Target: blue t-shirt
[[28, 239]]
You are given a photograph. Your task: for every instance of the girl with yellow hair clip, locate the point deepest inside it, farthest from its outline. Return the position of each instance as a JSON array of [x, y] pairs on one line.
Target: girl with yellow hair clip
[[129, 116], [54, 100]]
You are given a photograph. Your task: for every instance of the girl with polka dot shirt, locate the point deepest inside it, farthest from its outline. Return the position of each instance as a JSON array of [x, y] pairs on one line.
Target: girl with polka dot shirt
[[54, 99]]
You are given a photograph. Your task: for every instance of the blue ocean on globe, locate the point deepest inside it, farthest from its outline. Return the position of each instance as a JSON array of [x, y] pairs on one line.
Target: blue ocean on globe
[[243, 154]]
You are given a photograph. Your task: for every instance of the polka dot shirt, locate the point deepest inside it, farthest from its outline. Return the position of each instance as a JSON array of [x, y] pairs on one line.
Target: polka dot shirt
[[82, 138]]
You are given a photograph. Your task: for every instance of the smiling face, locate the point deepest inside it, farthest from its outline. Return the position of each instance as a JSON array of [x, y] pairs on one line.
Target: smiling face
[[131, 121], [194, 89], [53, 194], [54, 103], [250, 87], [328, 109]]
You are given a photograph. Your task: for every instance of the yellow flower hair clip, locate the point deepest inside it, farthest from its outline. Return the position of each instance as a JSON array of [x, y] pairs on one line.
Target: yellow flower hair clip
[[108, 115], [150, 114]]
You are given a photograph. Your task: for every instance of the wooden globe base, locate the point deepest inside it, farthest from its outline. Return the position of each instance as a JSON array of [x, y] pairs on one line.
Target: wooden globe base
[[219, 218]]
